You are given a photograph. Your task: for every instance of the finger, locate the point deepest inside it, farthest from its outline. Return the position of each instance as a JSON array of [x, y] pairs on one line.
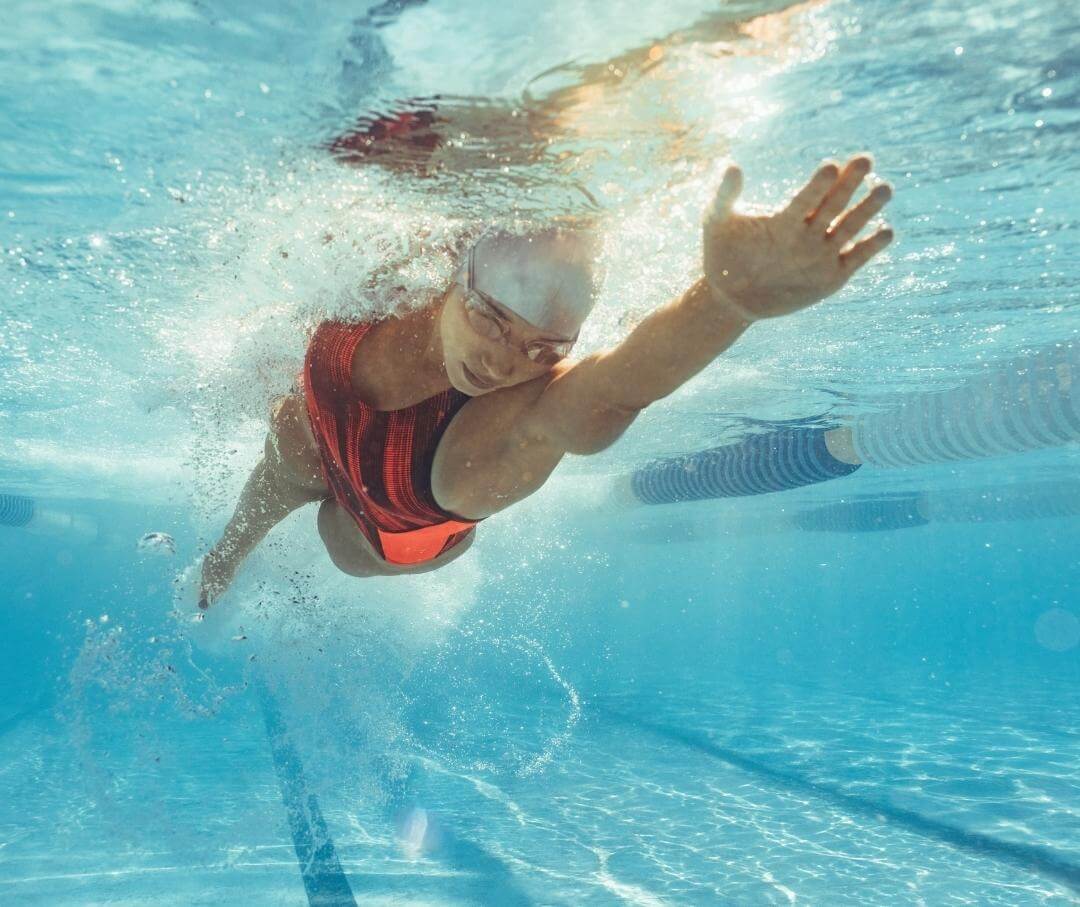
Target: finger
[[730, 188], [860, 253], [848, 227], [813, 193], [842, 191]]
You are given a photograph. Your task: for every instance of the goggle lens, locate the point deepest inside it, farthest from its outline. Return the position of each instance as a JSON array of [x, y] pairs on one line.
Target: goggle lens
[[488, 322]]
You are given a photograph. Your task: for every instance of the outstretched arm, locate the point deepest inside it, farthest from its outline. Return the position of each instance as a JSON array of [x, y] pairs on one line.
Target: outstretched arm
[[755, 267]]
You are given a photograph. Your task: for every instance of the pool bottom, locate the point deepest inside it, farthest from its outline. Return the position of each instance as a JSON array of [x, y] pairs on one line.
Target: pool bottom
[[643, 805]]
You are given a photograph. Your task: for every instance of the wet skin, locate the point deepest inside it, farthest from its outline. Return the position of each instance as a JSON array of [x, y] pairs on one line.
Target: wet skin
[[525, 416]]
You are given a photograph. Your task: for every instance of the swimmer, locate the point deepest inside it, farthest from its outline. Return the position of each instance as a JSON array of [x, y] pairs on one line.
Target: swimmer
[[412, 429]]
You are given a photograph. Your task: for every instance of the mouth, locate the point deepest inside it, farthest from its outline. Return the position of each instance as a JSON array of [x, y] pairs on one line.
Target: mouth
[[475, 380]]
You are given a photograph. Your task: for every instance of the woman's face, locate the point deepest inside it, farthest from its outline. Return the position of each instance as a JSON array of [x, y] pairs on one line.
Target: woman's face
[[484, 349]]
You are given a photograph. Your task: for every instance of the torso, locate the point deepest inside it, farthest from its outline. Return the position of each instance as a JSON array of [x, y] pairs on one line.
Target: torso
[[481, 463], [377, 462], [384, 376]]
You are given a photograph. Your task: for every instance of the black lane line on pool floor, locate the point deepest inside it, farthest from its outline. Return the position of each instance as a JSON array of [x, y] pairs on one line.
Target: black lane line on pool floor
[[324, 880], [1032, 857]]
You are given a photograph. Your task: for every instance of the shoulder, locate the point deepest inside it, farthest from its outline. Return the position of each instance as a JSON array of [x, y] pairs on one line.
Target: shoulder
[[489, 457], [515, 403], [502, 418], [498, 412], [380, 367], [331, 352], [367, 368]]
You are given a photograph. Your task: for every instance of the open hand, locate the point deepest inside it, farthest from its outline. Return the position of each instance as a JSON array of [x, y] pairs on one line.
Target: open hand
[[763, 266]]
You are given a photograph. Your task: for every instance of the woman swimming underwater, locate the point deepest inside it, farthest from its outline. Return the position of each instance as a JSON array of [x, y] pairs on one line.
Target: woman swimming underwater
[[413, 428]]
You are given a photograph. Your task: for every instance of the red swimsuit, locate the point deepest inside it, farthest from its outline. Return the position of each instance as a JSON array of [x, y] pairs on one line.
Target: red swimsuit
[[378, 464]]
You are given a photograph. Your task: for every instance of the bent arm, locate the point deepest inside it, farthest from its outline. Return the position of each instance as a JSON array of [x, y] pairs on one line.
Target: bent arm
[[588, 405]]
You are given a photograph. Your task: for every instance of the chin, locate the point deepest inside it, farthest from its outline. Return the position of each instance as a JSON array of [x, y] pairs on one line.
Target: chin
[[461, 383]]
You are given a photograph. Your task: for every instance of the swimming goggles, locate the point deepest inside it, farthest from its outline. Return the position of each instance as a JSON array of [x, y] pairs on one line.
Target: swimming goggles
[[488, 318]]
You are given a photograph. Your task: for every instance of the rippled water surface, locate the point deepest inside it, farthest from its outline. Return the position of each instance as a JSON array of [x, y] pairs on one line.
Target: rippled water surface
[[750, 701]]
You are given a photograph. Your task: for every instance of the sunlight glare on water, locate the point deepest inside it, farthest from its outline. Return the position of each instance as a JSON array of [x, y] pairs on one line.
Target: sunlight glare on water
[[756, 700]]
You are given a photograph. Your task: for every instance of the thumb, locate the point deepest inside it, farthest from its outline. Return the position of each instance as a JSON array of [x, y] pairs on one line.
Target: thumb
[[728, 193]]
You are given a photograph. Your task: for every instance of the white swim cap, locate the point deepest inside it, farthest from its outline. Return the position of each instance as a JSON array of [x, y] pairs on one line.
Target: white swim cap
[[547, 277]]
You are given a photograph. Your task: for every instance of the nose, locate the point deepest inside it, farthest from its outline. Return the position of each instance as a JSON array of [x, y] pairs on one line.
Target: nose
[[498, 368]]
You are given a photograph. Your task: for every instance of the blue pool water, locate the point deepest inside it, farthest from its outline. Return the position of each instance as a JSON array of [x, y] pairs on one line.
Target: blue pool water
[[863, 691]]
